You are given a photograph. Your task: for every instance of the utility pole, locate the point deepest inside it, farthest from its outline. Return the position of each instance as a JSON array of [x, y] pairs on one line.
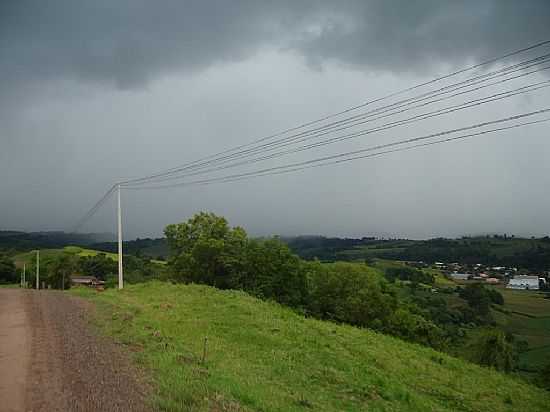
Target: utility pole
[[24, 275], [37, 269], [120, 275]]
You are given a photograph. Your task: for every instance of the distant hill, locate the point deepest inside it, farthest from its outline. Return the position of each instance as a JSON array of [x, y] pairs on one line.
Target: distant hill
[[528, 253], [153, 248], [25, 241]]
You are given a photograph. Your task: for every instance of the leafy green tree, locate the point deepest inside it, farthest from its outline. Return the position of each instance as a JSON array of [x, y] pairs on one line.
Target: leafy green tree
[[492, 349], [477, 297], [355, 294], [8, 272], [544, 376], [271, 270], [206, 250], [59, 269], [99, 265], [411, 274], [495, 296]]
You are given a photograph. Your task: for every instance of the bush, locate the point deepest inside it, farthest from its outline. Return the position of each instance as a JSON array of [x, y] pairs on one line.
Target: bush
[[411, 274], [351, 293], [8, 273], [478, 298], [98, 265], [492, 349], [270, 270]]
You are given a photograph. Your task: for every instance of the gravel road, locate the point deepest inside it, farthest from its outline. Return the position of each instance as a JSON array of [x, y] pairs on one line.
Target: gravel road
[[51, 360]]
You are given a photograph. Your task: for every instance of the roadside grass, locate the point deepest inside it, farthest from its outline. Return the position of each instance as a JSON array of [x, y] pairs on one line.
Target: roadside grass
[[261, 356]]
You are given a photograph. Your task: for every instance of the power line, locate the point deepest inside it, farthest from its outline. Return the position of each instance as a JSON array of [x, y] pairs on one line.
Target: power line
[[94, 209], [400, 92], [322, 130], [386, 126], [318, 162]]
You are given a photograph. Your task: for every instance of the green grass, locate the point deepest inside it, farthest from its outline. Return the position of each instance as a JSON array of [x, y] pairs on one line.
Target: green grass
[[74, 250], [523, 301], [264, 357], [28, 257], [440, 280], [527, 316]]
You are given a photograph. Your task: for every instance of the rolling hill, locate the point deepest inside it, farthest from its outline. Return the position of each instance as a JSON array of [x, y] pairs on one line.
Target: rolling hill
[[212, 350]]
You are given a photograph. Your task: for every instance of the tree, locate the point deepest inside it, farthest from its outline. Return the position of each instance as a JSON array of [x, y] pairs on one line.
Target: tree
[[411, 274], [272, 271], [544, 376], [350, 293], [98, 265], [206, 250], [8, 272], [492, 349], [477, 297], [59, 270]]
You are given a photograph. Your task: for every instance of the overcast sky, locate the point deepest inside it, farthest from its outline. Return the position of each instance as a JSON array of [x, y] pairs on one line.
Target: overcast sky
[[98, 91]]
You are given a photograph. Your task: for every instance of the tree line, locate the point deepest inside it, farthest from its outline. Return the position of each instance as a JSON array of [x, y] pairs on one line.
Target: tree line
[[207, 250]]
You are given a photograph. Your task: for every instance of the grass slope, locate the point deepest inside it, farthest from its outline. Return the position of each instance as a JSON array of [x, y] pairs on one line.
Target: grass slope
[[74, 250], [29, 257], [264, 357]]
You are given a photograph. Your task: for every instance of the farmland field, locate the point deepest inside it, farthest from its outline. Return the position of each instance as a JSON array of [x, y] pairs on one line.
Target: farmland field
[[528, 318]]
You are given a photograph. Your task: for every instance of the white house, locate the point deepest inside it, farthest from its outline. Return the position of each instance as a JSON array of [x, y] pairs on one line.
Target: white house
[[524, 282]]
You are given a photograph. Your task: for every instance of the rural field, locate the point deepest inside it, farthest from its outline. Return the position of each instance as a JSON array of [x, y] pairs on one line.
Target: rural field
[[527, 315]]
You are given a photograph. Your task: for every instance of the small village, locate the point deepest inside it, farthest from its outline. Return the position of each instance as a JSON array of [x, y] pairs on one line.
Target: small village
[[509, 277]]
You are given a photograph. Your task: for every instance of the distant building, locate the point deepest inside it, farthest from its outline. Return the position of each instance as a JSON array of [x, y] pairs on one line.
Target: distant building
[[493, 281], [462, 276], [524, 283], [92, 281]]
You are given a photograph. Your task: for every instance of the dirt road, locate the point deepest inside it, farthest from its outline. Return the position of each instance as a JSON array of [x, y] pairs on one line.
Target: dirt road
[[51, 360]]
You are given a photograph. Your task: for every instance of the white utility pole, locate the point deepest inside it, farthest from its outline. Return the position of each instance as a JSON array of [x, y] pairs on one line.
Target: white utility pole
[[37, 269], [24, 275], [120, 275]]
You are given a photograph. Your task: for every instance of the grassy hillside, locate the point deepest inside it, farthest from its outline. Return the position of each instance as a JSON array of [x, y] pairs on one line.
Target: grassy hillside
[[261, 356], [527, 316], [13, 240], [28, 257]]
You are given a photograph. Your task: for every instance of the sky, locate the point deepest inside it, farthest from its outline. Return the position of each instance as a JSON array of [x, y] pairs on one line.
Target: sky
[[92, 93]]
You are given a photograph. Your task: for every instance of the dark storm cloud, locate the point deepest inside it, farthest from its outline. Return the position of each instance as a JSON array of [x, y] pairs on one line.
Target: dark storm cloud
[[128, 42], [93, 92], [414, 35]]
